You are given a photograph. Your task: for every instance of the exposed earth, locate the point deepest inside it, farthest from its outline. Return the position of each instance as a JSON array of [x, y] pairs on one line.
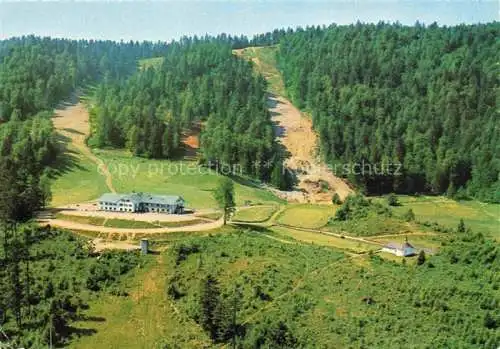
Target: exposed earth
[[316, 182]]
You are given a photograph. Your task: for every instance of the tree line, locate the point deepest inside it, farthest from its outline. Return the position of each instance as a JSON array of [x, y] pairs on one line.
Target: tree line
[[420, 96], [36, 73]]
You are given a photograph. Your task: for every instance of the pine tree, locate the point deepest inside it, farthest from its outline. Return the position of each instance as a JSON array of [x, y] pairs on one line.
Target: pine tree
[[421, 257], [224, 195], [461, 226], [208, 303]]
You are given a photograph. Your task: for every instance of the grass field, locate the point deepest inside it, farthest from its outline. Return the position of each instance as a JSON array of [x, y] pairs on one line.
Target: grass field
[[185, 178], [264, 59], [143, 320], [324, 240], [306, 215], [255, 214], [478, 216], [82, 182], [77, 180]]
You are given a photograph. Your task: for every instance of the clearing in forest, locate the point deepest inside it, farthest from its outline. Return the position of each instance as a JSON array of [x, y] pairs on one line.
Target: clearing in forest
[[316, 182], [83, 176]]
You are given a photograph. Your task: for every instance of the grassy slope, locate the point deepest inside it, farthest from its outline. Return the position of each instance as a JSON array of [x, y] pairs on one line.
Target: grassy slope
[[306, 215], [77, 181], [82, 181], [264, 59], [255, 214], [478, 216], [184, 178], [142, 320], [321, 296]]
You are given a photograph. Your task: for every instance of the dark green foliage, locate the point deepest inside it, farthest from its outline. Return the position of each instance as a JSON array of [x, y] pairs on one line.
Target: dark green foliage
[[421, 96], [450, 301], [36, 73], [272, 334], [421, 257], [217, 314], [357, 206], [461, 226], [336, 199], [392, 200], [224, 195], [27, 148], [43, 282]]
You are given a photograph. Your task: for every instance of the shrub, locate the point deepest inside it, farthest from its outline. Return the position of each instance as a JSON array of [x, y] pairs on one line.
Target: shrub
[[409, 216], [421, 257], [392, 200], [336, 199]]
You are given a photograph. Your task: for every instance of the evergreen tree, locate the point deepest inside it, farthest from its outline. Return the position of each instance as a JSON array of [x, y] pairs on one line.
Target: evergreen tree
[[461, 226], [421, 257], [209, 304], [224, 195]]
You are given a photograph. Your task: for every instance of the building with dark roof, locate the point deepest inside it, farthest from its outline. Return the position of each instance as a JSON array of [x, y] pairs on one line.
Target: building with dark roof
[[141, 202]]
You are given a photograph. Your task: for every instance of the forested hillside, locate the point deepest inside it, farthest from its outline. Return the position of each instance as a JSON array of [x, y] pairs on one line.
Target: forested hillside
[[200, 81], [424, 97], [37, 72], [243, 288], [46, 278]]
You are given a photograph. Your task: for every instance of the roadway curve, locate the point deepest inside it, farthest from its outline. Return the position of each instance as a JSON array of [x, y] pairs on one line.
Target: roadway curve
[[60, 223]]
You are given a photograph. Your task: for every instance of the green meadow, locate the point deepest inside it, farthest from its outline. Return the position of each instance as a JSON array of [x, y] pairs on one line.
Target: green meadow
[[76, 180], [306, 215], [194, 183], [480, 217], [254, 214]]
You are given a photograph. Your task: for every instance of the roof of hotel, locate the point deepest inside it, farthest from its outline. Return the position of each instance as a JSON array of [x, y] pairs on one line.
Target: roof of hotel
[[142, 198]]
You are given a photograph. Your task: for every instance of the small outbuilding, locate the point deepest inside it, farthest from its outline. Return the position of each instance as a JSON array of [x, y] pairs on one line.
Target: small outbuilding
[[403, 250]]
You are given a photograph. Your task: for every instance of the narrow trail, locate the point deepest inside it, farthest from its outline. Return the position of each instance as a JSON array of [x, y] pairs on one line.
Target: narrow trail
[[72, 121]]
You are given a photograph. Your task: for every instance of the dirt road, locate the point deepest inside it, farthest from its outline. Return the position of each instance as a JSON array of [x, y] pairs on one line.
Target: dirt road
[[72, 121], [126, 231]]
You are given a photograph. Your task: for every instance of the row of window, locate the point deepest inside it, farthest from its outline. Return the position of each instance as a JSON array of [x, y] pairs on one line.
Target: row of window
[[108, 208], [115, 204]]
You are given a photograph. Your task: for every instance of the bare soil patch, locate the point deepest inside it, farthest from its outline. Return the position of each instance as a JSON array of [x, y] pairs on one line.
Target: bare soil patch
[[191, 141], [316, 182]]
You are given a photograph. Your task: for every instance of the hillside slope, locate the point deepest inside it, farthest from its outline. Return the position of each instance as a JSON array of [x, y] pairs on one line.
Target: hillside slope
[[316, 182]]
